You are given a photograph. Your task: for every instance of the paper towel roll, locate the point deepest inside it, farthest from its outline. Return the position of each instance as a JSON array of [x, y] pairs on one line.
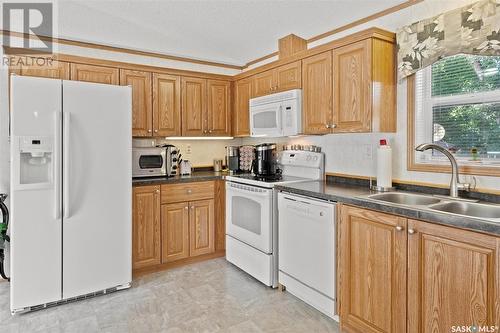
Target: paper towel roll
[[384, 166]]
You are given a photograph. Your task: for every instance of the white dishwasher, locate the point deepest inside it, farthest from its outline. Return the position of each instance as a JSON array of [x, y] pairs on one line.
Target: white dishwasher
[[307, 251]]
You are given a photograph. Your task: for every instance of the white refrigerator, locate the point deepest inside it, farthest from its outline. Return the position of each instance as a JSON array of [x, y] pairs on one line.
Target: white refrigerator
[[71, 190]]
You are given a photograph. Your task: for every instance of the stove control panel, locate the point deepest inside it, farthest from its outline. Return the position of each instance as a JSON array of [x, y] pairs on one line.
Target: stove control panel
[[300, 158]]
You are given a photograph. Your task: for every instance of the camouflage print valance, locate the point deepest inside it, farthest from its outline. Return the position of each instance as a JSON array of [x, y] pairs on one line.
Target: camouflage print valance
[[473, 29]]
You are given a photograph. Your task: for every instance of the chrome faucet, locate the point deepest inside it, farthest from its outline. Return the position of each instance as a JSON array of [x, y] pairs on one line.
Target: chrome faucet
[[455, 183]]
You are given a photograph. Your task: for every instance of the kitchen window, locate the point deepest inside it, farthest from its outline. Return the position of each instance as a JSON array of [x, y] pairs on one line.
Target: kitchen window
[[456, 103]]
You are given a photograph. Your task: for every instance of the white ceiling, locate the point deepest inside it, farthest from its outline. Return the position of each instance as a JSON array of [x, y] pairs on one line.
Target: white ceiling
[[232, 32]]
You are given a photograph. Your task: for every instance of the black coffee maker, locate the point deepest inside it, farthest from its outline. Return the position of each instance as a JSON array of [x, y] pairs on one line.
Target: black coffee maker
[[265, 163]]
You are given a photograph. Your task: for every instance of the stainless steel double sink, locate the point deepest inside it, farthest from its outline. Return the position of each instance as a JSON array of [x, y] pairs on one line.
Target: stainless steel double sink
[[447, 205]]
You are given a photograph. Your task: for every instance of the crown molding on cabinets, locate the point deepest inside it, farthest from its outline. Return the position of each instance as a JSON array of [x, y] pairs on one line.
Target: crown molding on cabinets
[[256, 61], [120, 49], [363, 20], [127, 65], [364, 34]]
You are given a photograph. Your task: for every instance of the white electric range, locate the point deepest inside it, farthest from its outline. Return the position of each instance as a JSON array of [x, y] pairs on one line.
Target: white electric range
[[252, 213]]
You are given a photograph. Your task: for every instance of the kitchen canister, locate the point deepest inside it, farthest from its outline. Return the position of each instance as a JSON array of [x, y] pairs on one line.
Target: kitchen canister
[[217, 165]]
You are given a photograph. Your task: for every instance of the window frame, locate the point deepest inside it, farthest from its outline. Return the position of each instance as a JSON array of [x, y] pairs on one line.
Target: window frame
[[412, 164]]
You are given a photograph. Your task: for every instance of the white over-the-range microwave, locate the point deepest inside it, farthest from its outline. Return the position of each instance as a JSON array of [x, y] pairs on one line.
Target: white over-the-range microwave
[[276, 115]]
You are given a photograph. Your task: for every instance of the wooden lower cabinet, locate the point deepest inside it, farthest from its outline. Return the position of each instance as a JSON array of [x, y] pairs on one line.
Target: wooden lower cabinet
[[453, 278], [372, 271], [146, 226], [176, 222], [187, 229], [220, 215], [398, 275], [201, 227], [174, 232]]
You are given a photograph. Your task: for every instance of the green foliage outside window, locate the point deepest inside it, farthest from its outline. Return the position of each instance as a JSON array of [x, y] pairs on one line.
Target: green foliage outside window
[[468, 126]]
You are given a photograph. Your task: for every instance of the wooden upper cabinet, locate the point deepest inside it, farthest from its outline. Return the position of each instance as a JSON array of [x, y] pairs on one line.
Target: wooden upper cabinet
[[201, 227], [56, 70], [219, 108], [141, 100], [263, 83], [372, 271], [96, 74], [352, 88], [146, 226], [453, 278], [241, 114], [364, 87], [282, 78], [383, 86], [317, 94], [289, 76], [174, 231], [194, 106], [166, 105]]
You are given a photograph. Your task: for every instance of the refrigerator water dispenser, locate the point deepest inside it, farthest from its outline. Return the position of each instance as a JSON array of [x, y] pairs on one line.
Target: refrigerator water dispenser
[[35, 160]]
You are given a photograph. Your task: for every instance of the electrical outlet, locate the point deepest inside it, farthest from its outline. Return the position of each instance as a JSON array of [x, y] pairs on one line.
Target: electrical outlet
[[188, 149], [367, 151]]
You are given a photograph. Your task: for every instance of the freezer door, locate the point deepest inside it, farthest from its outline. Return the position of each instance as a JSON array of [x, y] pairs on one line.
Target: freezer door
[[97, 190], [35, 228]]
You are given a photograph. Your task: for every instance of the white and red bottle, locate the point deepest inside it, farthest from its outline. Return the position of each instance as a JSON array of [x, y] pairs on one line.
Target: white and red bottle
[[384, 165]]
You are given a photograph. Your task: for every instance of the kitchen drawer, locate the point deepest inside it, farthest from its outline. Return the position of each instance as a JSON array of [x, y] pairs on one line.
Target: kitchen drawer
[[187, 192]]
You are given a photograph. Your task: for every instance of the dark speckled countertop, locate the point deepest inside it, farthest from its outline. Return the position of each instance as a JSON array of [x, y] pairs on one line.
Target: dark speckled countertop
[[196, 176], [357, 195]]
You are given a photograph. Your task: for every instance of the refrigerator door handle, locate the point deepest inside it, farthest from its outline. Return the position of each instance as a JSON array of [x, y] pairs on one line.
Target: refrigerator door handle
[[57, 164], [66, 161]]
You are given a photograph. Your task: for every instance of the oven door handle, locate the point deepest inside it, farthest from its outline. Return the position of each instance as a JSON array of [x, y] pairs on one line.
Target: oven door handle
[[240, 190]]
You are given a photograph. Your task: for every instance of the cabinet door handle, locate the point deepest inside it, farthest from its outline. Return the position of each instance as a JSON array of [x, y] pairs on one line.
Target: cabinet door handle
[[189, 191], [186, 207], [327, 125], [156, 131], [192, 207], [399, 228], [157, 191], [411, 231], [149, 131], [333, 126], [209, 131]]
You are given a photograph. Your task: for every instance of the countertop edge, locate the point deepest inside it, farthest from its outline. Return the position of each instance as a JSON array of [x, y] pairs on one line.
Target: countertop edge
[[462, 222], [177, 179]]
